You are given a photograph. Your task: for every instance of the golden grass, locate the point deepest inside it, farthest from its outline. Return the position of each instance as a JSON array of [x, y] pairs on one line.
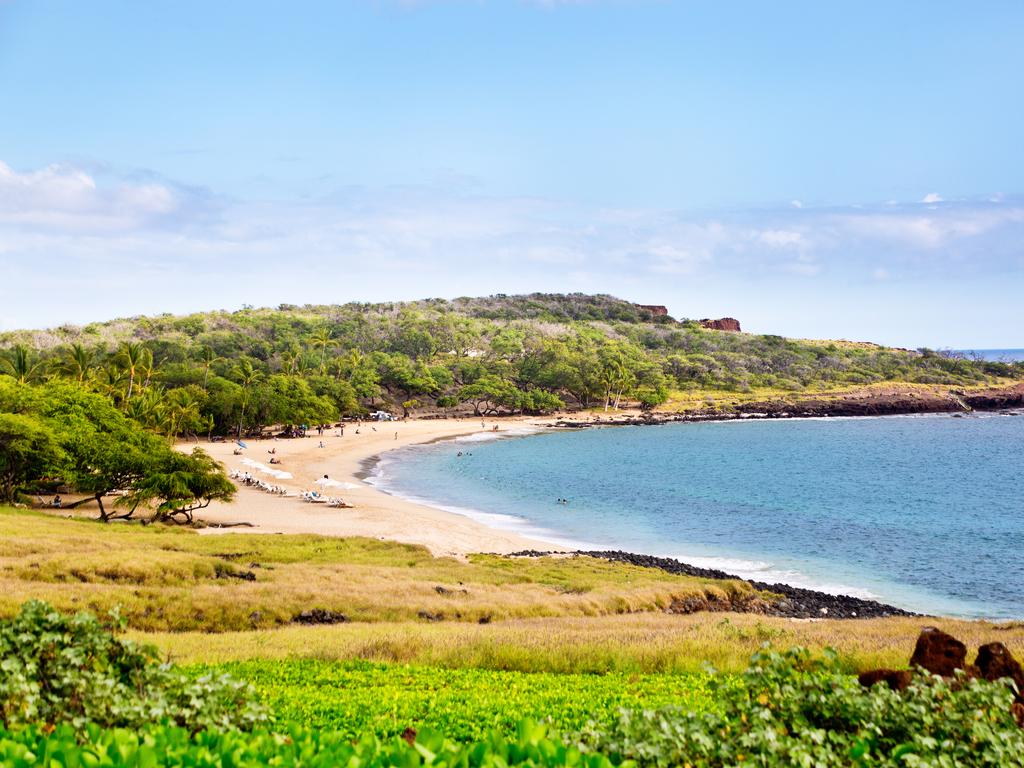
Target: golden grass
[[174, 579], [639, 643], [179, 590]]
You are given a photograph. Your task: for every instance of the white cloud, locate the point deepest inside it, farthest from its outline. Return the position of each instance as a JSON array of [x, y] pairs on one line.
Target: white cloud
[[64, 198], [780, 238], [932, 197], [70, 235], [796, 204]]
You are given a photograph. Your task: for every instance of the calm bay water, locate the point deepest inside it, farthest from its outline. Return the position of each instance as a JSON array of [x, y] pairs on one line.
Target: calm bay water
[[924, 512]]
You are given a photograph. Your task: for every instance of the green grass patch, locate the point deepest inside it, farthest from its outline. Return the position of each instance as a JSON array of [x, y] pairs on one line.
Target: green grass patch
[[354, 698]]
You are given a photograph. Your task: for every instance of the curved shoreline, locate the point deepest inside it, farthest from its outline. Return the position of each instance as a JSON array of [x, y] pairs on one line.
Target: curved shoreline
[[801, 598], [382, 514], [793, 601]]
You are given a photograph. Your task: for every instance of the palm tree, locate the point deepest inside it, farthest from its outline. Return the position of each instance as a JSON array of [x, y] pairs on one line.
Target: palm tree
[[181, 411], [289, 362], [207, 357], [134, 358], [247, 376], [323, 338], [18, 363], [77, 362], [148, 408], [110, 380]]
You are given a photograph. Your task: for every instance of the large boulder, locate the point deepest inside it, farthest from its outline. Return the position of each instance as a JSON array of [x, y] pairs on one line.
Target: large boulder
[[995, 662], [938, 652]]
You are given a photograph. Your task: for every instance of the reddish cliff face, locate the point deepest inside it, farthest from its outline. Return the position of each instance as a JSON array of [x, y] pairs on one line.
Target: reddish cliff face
[[724, 324], [655, 309]]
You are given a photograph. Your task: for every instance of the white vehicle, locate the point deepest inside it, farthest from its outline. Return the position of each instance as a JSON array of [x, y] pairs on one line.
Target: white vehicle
[[382, 416]]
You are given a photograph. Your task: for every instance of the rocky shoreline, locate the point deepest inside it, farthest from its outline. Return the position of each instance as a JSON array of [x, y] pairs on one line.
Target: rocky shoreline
[[892, 401], [794, 602]]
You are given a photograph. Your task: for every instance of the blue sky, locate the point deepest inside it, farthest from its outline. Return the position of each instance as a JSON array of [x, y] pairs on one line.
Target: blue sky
[[816, 169]]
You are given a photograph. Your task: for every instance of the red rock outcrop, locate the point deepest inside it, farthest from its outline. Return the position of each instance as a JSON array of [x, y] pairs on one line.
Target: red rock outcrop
[[655, 309], [722, 324]]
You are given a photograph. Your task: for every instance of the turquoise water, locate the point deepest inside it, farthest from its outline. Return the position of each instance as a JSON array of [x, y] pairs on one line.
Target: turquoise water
[[923, 512]]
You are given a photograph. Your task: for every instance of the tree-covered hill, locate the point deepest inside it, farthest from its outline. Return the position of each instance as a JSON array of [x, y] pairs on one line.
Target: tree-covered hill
[[234, 372]]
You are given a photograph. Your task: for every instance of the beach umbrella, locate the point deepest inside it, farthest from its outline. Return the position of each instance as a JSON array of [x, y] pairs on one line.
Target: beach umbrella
[[241, 444]]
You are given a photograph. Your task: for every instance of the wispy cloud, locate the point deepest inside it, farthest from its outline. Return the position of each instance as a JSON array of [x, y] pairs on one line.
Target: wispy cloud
[[149, 243]]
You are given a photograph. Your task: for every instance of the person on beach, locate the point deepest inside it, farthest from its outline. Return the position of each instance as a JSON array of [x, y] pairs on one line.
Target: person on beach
[[396, 435]]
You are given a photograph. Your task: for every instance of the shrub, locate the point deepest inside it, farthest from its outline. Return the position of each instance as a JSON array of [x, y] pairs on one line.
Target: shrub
[[61, 669], [794, 710]]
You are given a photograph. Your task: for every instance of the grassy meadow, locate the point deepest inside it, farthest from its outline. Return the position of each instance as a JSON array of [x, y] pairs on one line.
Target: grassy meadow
[[173, 579], [227, 597]]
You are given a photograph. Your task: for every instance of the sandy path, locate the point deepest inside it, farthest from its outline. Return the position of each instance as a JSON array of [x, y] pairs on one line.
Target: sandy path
[[375, 513]]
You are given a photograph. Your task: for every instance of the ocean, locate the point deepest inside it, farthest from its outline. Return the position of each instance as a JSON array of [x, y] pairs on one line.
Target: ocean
[[923, 512], [995, 355]]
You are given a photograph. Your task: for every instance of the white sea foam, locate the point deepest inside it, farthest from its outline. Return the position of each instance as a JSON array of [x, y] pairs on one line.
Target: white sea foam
[[483, 437]]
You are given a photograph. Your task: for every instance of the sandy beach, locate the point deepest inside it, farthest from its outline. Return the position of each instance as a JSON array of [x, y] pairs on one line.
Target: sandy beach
[[373, 513]]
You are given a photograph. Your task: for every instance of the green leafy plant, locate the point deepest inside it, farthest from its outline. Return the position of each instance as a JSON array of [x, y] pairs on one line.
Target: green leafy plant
[[72, 669], [797, 710], [357, 697], [158, 746]]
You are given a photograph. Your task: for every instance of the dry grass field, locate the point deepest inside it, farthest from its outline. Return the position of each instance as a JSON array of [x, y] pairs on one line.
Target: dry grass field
[[636, 643], [173, 579], [192, 596]]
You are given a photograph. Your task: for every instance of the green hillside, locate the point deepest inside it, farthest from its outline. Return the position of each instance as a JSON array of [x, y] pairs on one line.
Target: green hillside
[[231, 372]]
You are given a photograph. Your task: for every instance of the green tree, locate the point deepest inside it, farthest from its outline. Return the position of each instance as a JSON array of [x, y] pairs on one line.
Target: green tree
[[102, 449], [490, 393], [28, 452], [185, 483]]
